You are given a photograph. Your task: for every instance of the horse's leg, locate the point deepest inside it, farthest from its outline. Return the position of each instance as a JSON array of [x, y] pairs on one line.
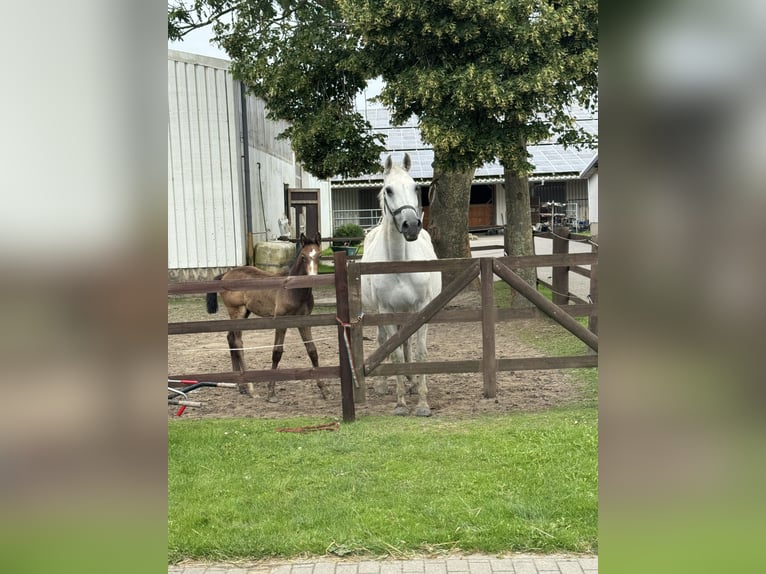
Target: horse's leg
[[276, 356], [397, 356], [311, 349], [381, 383], [421, 355], [235, 349], [407, 348]]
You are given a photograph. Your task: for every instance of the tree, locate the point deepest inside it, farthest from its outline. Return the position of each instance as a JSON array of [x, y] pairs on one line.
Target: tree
[[485, 78], [298, 57]]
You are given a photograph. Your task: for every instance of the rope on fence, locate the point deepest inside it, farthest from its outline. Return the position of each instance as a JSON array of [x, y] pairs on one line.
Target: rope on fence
[[216, 350], [347, 343], [559, 293]]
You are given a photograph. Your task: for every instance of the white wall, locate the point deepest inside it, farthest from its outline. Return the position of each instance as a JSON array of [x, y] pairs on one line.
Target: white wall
[[206, 191], [205, 213], [593, 200], [274, 174], [500, 204]]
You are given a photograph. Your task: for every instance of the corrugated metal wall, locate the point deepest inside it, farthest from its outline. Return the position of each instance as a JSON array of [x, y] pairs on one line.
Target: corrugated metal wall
[[206, 180], [205, 206], [577, 192], [262, 133], [345, 199], [355, 205]]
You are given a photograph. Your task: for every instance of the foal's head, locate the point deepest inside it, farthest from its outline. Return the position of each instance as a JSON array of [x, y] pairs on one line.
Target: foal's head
[[307, 262], [399, 198]]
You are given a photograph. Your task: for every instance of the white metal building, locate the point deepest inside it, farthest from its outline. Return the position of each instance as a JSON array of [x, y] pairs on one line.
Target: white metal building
[[591, 174], [210, 180]]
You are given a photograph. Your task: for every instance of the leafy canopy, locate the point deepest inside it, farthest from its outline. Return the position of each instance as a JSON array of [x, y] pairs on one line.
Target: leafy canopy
[[484, 77], [299, 58]]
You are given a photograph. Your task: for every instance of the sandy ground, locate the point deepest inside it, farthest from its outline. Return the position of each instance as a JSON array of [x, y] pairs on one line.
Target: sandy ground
[[449, 394]]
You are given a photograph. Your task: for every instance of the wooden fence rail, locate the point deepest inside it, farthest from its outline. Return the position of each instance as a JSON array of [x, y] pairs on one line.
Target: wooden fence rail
[[350, 321]]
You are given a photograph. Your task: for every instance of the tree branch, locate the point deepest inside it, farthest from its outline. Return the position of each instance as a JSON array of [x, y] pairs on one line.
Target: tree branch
[[176, 15]]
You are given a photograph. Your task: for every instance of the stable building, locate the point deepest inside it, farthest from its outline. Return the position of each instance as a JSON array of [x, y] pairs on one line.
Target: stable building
[[558, 189]]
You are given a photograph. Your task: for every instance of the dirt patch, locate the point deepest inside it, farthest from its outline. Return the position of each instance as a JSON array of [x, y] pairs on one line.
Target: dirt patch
[[448, 394]]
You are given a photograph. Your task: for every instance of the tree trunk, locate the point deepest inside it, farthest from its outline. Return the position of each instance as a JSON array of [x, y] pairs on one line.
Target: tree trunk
[[449, 197], [518, 229]]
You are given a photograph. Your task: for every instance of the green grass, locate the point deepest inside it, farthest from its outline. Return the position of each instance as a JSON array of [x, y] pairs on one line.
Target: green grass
[[383, 485], [503, 293], [389, 485], [553, 340]]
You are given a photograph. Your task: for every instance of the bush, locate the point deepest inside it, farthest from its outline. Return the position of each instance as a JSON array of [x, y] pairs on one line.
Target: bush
[[348, 230]]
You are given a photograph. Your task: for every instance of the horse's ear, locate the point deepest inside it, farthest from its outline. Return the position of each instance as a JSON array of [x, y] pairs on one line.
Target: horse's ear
[[318, 239], [388, 165], [303, 239], [407, 162]]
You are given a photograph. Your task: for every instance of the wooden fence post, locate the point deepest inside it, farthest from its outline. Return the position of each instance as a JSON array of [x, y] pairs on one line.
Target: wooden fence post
[[357, 330], [341, 303], [489, 361], [560, 274]]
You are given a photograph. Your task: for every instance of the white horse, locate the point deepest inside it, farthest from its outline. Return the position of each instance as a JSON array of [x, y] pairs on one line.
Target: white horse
[[400, 237]]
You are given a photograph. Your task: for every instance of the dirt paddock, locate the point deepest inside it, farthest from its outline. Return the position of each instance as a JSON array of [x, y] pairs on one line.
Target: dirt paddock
[[448, 394]]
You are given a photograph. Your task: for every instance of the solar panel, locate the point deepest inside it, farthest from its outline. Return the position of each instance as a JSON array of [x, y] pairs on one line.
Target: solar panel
[[548, 158]]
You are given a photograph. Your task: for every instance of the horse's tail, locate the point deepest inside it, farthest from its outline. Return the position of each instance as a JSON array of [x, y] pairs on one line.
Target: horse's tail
[[212, 298]]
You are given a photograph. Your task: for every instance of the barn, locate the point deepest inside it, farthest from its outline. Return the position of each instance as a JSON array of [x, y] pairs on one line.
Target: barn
[[230, 179], [223, 201], [558, 188]]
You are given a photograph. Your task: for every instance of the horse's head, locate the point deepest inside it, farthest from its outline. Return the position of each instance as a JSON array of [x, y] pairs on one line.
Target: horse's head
[[308, 256], [399, 198]]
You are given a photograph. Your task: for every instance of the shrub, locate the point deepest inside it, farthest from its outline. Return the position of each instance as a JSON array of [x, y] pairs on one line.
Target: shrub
[[348, 230]]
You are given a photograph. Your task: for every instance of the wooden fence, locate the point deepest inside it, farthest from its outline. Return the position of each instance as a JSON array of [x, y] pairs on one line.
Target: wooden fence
[[350, 320]]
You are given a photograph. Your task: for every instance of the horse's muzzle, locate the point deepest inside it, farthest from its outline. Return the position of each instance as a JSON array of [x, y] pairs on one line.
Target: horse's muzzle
[[411, 228]]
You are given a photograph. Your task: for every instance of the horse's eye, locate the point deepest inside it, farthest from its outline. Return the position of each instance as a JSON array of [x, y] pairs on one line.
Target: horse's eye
[[389, 191]]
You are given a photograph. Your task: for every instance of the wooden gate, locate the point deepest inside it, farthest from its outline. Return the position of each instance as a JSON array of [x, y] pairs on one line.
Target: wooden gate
[[467, 270]]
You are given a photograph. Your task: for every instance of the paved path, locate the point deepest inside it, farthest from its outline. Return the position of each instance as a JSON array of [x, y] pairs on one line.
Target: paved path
[[472, 564]]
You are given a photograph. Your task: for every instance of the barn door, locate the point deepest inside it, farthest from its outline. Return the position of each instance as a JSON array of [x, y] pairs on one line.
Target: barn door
[[303, 206]]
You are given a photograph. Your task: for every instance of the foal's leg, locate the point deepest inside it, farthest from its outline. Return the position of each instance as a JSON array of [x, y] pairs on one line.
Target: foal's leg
[[235, 349], [421, 355], [276, 356], [311, 349]]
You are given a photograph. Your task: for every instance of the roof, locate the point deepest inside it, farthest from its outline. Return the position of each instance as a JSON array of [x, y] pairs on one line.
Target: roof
[[199, 59], [591, 168], [551, 160]]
